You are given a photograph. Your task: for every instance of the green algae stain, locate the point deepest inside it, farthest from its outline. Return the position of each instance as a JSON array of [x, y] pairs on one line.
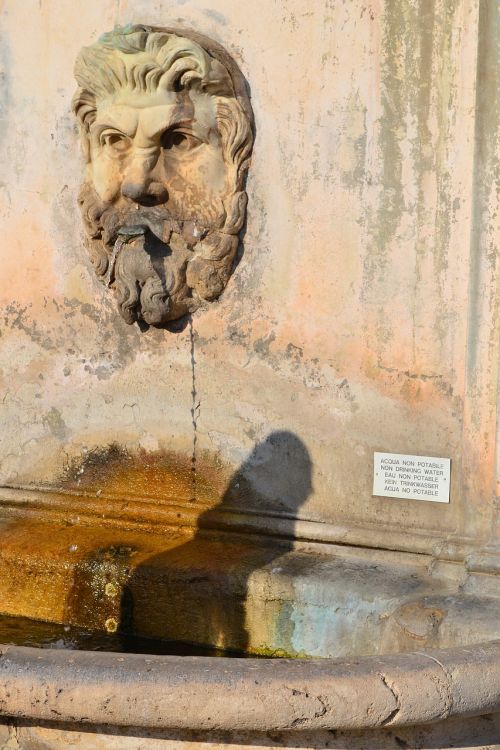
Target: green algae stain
[[484, 251], [278, 653], [411, 197]]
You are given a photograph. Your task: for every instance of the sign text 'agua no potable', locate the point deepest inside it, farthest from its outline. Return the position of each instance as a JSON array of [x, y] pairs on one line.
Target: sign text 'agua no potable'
[[411, 477]]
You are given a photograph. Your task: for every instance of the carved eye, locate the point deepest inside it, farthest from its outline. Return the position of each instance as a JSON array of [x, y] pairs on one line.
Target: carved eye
[[178, 140], [115, 141]]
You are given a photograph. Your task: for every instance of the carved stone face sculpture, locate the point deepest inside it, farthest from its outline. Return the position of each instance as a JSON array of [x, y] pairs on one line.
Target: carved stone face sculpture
[[167, 132]]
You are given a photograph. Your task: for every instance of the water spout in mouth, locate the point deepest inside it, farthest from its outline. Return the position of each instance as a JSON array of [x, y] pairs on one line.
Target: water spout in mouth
[[126, 234], [131, 231], [120, 242]]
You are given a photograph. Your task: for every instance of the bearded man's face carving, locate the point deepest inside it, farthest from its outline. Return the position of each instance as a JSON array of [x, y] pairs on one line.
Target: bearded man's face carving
[[166, 126]]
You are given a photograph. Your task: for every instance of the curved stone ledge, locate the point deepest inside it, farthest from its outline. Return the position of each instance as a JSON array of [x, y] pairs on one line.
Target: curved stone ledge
[[206, 693]]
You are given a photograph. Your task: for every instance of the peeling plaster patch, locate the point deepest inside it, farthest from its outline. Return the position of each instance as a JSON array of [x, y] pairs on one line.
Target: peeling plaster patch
[[85, 308], [56, 424], [119, 345], [262, 345], [17, 317], [313, 373], [295, 354]]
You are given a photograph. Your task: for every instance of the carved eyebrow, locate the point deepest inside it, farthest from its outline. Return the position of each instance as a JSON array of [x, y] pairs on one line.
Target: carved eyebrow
[[172, 125], [166, 116], [123, 119], [189, 124], [181, 123]]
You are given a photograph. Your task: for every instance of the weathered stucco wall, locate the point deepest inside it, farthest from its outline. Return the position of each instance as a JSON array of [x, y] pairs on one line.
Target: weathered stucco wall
[[361, 316]]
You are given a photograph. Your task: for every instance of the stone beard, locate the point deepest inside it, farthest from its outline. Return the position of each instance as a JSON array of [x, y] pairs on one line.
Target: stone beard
[[167, 132]]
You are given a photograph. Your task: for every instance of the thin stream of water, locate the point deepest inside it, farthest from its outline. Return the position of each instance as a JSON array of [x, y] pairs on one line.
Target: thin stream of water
[[195, 411]]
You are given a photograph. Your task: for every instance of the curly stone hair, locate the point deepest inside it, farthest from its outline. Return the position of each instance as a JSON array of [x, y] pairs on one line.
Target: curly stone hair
[[143, 58]]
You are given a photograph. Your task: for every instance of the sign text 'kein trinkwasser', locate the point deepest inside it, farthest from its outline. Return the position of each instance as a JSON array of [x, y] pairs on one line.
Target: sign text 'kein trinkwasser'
[[411, 477]]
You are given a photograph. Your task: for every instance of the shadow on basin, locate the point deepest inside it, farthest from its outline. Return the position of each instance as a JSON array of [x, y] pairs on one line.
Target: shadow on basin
[[197, 591], [476, 732]]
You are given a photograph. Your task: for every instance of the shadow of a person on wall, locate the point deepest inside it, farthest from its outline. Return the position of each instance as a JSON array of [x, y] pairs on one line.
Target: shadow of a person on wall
[[197, 592]]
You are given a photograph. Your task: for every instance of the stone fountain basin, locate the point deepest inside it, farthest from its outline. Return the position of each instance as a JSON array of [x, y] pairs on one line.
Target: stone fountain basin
[[207, 693], [414, 642], [241, 592], [56, 699]]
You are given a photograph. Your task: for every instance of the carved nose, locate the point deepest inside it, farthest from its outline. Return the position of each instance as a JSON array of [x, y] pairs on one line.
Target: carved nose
[[145, 192]]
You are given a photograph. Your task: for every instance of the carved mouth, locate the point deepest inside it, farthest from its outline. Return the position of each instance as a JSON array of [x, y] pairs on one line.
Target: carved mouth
[[122, 232], [117, 223], [160, 226]]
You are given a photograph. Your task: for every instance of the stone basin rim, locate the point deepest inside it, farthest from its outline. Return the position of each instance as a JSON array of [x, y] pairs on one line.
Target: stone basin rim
[[193, 692]]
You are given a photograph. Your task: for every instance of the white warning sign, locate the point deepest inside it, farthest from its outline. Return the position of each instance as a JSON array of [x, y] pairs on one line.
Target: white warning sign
[[411, 477]]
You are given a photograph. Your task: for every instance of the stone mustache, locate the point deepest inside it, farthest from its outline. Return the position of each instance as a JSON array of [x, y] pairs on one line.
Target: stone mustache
[[166, 127]]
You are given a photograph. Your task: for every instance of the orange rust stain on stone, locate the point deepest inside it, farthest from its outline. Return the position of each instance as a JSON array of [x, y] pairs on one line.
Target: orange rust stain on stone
[[71, 573], [113, 471]]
